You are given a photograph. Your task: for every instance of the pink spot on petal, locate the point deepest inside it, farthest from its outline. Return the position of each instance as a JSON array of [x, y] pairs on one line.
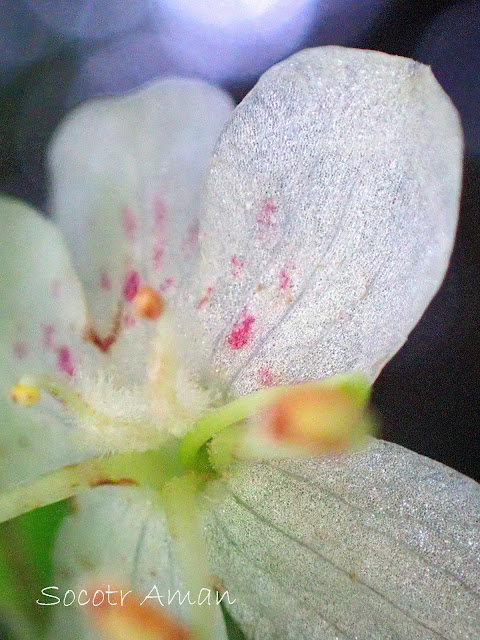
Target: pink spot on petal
[[65, 361], [20, 350], [241, 333], [105, 281], [131, 285], [55, 288], [266, 218], [284, 279], [159, 211], [48, 331], [166, 284], [157, 254], [129, 320], [265, 377], [192, 235], [237, 266], [129, 222], [205, 298]]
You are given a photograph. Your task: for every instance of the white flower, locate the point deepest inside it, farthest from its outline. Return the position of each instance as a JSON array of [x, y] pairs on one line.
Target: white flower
[[324, 229]]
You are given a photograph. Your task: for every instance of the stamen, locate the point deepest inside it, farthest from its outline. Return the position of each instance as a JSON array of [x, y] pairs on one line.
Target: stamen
[[186, 530], [326, 416], [216, 420], [128, 617], [316, 418], [143, 469], [148, 303], [25, 394]]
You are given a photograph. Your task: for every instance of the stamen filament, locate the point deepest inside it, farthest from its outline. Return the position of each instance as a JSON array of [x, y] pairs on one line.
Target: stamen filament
[[218, 419], [61, 391], [136, 468], [179, 498], [353, 385]]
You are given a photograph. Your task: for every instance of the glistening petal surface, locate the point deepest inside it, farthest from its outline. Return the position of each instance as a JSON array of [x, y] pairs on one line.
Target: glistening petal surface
[[382, 545], [42, 314], [117, 535], [126, 176], [328, 219]]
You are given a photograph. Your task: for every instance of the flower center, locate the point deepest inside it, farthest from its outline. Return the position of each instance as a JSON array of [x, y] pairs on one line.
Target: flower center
[[165, 436]]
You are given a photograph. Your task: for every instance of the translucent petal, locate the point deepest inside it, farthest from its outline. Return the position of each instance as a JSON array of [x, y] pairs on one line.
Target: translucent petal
[[115, 536], [329, 217], [42, 313], [126, 178], [385, 544]]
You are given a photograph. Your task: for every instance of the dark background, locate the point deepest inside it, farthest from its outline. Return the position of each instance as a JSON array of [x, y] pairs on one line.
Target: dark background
[[428, 394]]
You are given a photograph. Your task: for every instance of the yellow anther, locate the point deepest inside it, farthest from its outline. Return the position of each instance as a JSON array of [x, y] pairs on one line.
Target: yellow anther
[[148, 303], [319, 419], [25, 394]]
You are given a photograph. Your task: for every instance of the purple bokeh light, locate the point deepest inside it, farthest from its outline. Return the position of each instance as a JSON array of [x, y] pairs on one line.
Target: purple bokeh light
[[89, 19], [451, 45], [236, 40]]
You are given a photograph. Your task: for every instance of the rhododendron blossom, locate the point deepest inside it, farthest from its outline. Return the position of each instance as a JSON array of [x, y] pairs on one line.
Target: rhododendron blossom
[[200, 390]]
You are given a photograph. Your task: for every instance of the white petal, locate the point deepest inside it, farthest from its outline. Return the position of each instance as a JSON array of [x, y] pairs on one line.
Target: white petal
[[115, 536], [42, 313], [329, 218], [385, 544], [126, 178]]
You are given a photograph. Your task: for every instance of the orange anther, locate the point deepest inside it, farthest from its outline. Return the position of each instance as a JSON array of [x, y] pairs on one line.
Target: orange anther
[[148, 303], [128, 617], [321, 419]]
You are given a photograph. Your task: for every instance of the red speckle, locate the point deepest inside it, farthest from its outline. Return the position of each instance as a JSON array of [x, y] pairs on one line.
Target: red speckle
[[105, 343], [192, 235], [100, 482], [129, 320], [266, 216], [105, 281], [284, 279], [20, 350], [265, 377], [157, 254], [241, 333], [48, 331], [205, 298], [130, 285], [237, 266], [166, 284], [65, 361], [55, 289], [129, 222], [159, 211]]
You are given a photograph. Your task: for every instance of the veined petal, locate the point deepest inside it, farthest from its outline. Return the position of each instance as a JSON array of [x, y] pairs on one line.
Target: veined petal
[[383, 544], [42, 313], [117, 536], [126, 176], [329, 217]]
